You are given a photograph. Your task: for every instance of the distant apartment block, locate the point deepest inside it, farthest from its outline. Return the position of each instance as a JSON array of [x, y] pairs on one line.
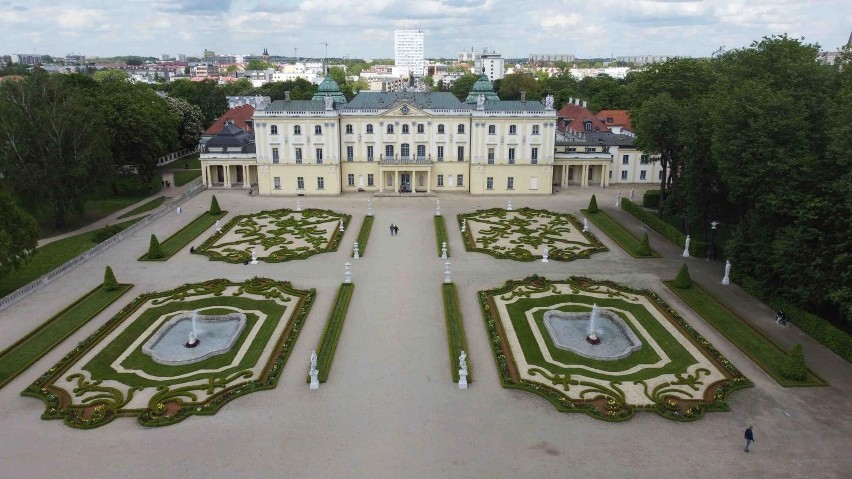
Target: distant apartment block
[[79, 60], [643, 59], [491, 64], [551, 57], [408, 50], [27, 58]]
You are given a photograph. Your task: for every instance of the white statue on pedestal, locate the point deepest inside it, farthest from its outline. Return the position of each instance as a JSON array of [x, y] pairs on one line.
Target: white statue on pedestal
[[686, 247], [254, 256], [548, 102], [218, 226], [480, 102], [329, 103], [463, 370], [314, 374], [585, 225], [726, 280]]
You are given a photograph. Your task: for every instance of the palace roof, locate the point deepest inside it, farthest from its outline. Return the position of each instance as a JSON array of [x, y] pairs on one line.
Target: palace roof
[[232, 137], [239, 116], [374, 100], [615, 118]]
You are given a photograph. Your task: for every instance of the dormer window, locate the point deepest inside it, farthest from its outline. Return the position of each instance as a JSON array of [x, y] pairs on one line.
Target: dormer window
[[273, 130], [587, 125]]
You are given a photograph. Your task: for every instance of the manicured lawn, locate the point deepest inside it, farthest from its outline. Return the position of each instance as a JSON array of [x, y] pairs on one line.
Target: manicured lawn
[[49, 257], [455, 330], [333, 328], [186, 235], [191, 162], [183, 177], [441, 234], [155, 203], [618, 233], [768, 355], [19, 356]]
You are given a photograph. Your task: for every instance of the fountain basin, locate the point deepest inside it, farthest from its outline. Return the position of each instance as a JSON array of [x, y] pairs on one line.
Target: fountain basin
[[216, 335], [570, 332]]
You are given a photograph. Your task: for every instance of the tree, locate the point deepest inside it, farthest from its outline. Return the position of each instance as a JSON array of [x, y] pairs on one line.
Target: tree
[[191, 125], [644, 248], [203, 94], [513, 84], [461, 87], [239, 87], [682, 280], [259, 65], [110, 76], [140, 126], [593, 205], [154, 249], [428, 82], [794, 366], [134, 61], [110, 283], [214, 207], [54, 146], [18, 235]]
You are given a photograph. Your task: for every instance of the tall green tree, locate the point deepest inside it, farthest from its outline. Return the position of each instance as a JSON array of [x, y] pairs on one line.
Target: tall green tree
[[54, 147], [203, 94], [513, 84], [191, 121], [18, 235], [461, 87]]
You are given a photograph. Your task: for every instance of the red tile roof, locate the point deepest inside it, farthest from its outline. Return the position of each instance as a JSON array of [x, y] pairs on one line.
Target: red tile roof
[[574, 117], [239, 115], [616, 118]]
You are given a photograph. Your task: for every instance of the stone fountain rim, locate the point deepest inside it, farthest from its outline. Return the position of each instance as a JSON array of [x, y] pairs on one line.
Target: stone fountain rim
[[151, 343], [636, 343]]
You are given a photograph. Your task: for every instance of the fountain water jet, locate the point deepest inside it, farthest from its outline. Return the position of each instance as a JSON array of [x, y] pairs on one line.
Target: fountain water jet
[[593, 338], [193, 333]]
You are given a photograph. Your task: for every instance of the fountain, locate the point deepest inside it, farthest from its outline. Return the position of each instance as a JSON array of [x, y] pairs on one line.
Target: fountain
[[593, 338], [193, 333], [169, 344], [598, 334]]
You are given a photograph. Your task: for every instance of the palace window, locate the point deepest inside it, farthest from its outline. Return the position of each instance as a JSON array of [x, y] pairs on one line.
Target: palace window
[[535, 130], [642, 174], [390, 130], [370, 180], [440, 153], [350, 179], [489, 183], [319, 156], [492, 129], [405, 129], [491, 156], [660, 175], [300, 183], [320, 183], [275, 155], [511, 156], [388, 152], [404, 150], [277, 182], [624, 175], [421, 128], [273, 129], [644, 159], [350, 153], [370, 129], [297, 130], [298, 156], [460, 180], [440, 180], [421, 152], [513, 130], [510, 183], [625, 160], [318, 130], [461, 128], [349, 129], [370, 153], [534, 156], [440, 129], [461, 153]]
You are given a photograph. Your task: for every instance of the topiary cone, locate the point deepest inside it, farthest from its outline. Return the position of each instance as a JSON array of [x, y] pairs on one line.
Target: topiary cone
[[644, 248], [110, 283], [154, 249], [794, 366], [593, 205], [682, 280], [214, 206]]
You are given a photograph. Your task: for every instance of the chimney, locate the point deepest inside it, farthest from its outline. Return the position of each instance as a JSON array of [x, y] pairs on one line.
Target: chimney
[[584, 103], [523, 96], [570, 100], [287, 95]]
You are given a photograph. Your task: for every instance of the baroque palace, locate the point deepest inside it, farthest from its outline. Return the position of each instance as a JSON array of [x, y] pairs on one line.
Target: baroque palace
[[409, 142]]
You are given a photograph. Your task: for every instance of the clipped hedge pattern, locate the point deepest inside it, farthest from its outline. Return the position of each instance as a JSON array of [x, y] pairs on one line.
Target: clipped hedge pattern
[[333, 328], [364, 236], [441, 234], [696, 248]]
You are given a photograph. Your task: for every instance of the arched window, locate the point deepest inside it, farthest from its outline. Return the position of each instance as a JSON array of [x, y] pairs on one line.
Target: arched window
[[389, 152], [390, 129], [420, 128], [535, 130], [440, 129], [297, 130], [349, 129], [404, 151], [492, 130], [369, 128], [273, 129], [421, 151], [513, 130], [461, 128], [404, 129], [317, 130]]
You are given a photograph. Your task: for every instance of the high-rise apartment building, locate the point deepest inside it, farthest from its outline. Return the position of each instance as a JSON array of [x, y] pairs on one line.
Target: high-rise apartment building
[[408, 50], [491, 64]]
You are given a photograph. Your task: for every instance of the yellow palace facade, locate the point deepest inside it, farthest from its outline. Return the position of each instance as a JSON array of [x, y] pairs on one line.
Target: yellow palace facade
[[389, 142]]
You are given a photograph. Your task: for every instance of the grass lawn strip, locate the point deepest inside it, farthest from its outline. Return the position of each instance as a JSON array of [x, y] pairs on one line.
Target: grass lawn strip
[[106, 376], [38, 342], [364, 235], [628, 242], [185, 235], [455, 330], [155, 203], [676, 373], [183, 177], [51, 256], [521, 234], [333, 328], [441, 234], [760, 349]]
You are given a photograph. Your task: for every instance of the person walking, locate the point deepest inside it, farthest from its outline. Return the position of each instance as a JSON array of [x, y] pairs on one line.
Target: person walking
[[391, 229], [749, 437], [395, 230]]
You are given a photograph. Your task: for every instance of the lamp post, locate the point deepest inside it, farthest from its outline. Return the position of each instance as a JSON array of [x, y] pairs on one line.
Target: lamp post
[[710, 254]]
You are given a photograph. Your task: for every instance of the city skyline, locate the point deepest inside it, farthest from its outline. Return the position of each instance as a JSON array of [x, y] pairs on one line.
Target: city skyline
[[298, 27]]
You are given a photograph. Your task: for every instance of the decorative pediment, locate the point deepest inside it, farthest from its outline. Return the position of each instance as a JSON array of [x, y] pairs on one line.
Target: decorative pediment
[[403, 109]]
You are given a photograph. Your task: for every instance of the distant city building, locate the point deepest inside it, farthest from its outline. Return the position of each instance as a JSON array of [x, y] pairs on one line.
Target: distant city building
[[27, 58], [256, 102], [79, 60], [181, 57], [408, 50], [209, 54], [491, 64], [470, 56], [551, 57], [643, 59], [829, 58], [165, 57]]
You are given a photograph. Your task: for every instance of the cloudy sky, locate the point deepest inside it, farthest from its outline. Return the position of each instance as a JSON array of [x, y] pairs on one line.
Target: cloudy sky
[[364, 28]]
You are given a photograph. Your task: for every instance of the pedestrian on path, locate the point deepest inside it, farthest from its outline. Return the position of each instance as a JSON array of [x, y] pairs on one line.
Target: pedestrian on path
[[391, 229], [395, 230], [749, 437]]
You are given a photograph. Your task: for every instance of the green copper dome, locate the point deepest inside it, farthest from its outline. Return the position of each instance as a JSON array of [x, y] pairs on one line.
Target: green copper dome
[[482, 87], [329, 87]]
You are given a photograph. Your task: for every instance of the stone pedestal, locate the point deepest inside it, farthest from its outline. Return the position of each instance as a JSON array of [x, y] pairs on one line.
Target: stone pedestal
[[357, 254], [444, 250], [462, 379], [314, 380]]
